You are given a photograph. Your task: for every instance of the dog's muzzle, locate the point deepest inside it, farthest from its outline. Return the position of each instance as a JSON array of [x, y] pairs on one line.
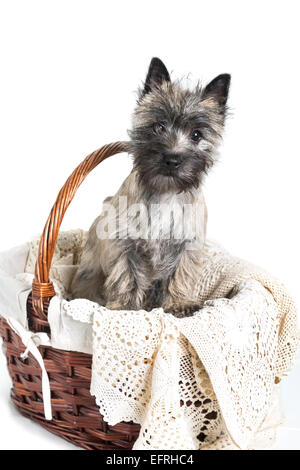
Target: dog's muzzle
[[172, 160]]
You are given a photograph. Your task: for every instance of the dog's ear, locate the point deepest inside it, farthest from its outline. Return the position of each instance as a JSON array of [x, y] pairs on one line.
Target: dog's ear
[[218, 89], [157, 74]]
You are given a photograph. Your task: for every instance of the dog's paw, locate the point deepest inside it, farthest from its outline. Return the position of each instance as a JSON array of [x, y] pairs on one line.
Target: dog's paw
[[113, 306], [193, 309], [182, 311], [121, 305]]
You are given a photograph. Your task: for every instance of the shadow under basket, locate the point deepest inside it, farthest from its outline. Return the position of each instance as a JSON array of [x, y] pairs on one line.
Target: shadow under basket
[[76, 417]]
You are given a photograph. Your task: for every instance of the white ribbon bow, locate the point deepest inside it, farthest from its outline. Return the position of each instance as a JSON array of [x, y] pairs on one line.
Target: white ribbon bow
[[31, 341]]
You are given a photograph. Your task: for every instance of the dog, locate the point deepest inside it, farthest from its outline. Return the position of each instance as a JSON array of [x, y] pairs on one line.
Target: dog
[[143, 250]]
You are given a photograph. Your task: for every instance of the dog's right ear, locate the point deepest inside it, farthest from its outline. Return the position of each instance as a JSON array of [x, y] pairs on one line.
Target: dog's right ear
[[218, 89], [157, 74]]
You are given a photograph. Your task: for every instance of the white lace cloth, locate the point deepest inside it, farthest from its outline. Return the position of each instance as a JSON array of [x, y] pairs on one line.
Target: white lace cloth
[[204, 382], [187, 380]]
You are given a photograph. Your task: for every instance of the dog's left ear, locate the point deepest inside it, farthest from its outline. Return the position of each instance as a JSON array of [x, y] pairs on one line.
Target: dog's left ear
[[218, 89], [157, 74]]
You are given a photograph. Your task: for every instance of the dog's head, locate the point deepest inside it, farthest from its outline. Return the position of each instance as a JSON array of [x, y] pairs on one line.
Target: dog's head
[[176, 131]]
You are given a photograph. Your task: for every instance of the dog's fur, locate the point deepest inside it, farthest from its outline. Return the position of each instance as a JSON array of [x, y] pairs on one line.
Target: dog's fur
[[174, 138]]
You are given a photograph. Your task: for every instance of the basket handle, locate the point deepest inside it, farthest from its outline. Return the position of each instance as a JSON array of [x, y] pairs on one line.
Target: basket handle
[[42, 287]]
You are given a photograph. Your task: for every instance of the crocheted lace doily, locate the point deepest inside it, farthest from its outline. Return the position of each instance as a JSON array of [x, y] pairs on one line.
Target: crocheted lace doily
[[201, 382], [190, 382]]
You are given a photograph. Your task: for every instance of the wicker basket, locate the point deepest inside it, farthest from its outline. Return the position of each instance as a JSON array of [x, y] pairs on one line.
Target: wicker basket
[[76, 416]]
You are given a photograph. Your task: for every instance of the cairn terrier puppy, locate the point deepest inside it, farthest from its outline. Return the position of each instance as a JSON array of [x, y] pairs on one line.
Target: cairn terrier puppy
[[143, 250]]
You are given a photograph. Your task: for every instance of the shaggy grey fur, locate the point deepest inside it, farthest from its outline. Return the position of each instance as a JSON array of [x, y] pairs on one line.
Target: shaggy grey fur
[[174, 138]]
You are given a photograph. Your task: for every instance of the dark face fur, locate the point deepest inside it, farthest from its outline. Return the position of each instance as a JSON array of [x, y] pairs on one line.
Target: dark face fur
[[176, 131]]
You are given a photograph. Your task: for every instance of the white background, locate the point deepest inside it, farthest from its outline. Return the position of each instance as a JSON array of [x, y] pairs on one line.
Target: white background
[[69, 71]]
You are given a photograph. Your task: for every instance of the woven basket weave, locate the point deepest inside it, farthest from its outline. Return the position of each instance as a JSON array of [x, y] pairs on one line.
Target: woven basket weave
[[76, 416]]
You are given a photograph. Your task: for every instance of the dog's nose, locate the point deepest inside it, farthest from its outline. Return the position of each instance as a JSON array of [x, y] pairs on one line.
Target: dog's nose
[[172, 160]]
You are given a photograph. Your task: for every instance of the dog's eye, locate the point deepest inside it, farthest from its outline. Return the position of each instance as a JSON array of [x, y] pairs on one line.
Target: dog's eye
[[158, 128], [196, 135]]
